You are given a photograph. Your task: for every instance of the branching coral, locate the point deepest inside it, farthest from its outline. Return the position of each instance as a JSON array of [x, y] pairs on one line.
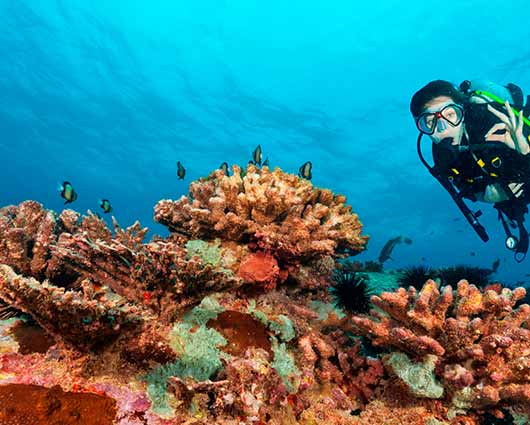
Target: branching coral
[[277, 211], [26, 233], [157, 274], [479, 341]]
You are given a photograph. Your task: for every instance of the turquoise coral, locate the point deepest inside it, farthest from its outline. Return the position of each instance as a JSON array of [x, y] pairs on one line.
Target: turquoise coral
[[208, 309], [199, 358], [281, 325]]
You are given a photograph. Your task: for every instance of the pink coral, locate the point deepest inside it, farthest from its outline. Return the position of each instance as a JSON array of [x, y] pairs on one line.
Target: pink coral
[[481, 341]]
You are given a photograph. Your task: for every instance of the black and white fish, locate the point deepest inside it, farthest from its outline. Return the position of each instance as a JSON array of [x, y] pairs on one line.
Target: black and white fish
[[67, 192], [305, 170]]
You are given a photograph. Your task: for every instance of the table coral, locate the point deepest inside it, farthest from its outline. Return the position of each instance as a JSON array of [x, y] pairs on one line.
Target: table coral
[[67, 315]]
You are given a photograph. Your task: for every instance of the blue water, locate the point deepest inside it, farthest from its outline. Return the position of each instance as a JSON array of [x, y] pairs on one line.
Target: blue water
[[110, 94]]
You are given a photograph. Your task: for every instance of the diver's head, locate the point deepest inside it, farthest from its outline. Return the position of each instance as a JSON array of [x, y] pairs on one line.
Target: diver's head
[[438, 111]]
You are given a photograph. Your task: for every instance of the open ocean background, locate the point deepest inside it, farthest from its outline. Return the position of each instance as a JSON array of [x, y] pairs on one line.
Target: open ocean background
[[110, 94]]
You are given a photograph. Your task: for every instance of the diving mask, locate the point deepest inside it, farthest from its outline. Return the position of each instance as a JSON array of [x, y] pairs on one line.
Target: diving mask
[[429, 122]]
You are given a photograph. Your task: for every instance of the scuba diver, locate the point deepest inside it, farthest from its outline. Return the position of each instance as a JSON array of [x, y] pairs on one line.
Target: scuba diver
[[480, 146]]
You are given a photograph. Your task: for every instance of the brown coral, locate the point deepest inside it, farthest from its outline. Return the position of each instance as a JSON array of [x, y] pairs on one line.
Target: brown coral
[[26, 233], [156, 274], [33, 404]]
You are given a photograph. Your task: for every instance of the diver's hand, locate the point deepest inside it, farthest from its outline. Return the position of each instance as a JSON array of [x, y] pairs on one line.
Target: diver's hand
[[516, 188], [514, 125]]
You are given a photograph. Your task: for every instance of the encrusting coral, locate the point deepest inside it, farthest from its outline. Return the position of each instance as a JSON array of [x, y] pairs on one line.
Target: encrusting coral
[[471, 346], [214, 322]]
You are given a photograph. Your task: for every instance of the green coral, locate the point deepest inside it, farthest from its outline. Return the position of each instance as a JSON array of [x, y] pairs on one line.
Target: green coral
[[156, 380], [199, 356], [461, 402], [325, 309], [208, 309], [251, 309], [209, 254], [285, 365], [419, 377], [284, 329], [520, 419]]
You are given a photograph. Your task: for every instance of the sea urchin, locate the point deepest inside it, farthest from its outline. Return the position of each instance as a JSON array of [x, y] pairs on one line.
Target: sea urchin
[[351, 291], [415, 276]]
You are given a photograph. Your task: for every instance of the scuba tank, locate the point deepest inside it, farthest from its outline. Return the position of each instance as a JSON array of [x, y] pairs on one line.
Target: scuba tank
[[482, 91], [493, 162], [479, 90]]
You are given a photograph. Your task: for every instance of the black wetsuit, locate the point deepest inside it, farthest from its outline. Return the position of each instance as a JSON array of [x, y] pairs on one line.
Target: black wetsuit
[[501, 164], [477, 163]]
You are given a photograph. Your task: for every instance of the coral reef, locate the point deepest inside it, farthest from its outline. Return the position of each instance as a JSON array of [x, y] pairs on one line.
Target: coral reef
[[472, 347], [212, 324], [243, 315]]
